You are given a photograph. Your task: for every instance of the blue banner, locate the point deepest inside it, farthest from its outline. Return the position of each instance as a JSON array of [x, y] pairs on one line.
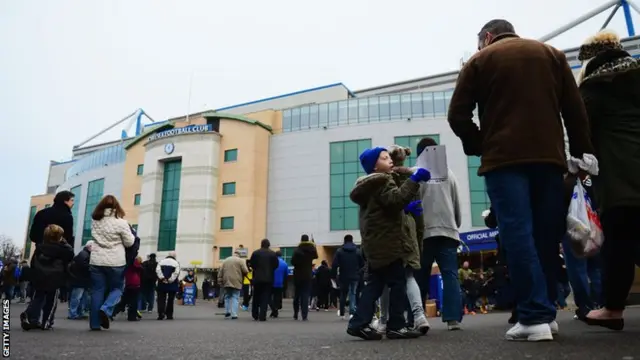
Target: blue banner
[[181, 130], [480, 240], [189, 294]]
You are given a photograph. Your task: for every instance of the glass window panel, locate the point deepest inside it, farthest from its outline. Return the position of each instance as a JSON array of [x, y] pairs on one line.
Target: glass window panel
[[227, 223], [343, 112], [447, 99], [405, 105], [349, 181], [336, 150], [337, 202], [337, 168], [476, 214], [384, 107], [295, 119], [351, 151], [351, 167], [169, 205], [336, 185], [333, 114], [401, 140], [476, 183], [438, 103], [313, 116], [286, 121], [427, 104], [363, 145], [304, 118], [323, 114], [478, 197], [351, 218], [136, 199], [140, 169], [337, 219], [416, 105], [94, 195], [225, 252], [363, 110], [353, 111], [374, 111], [229, 155], [394, 106], [229, 188]]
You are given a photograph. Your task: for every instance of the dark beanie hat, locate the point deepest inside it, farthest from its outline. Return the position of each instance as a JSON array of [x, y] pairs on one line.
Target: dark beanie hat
[[369, 158]]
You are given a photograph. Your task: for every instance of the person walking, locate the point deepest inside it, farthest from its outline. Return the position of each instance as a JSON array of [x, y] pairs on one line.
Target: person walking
[[442, 219], [346, 268], [279, 281], [264, 262], [111, 235], [521, 88], [302, 261], [230, 276], [610, 87]]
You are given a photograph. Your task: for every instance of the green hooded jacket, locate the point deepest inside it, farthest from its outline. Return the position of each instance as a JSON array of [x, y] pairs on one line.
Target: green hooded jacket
[[384, 227]]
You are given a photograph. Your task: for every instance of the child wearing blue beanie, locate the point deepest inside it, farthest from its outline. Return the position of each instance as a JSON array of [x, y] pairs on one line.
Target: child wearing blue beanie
[[386, 243]]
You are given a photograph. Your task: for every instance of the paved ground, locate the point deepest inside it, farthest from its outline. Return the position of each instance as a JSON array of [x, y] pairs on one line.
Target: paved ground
[[202, 333]]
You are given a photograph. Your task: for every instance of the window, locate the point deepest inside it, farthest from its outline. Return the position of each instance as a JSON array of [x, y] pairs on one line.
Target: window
[[231, 155], [227, 223], [47, 205], [136, 199], [135, 227], [169, 206], [287, 254], [229, 188], [77, 192], [27, 245], [214, 121], [140, 169], [225, 252], [344, 171], [477, 191], [95, 191], [412, 143]]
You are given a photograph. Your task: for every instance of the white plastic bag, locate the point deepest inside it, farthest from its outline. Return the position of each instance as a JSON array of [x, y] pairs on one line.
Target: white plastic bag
[[583, 224]]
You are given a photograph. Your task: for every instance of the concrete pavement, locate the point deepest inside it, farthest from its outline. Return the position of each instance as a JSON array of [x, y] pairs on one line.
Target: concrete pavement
[[201, 332]]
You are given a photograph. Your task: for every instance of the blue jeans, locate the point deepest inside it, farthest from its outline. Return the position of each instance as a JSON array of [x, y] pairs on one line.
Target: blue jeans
[[393, 276], [564, 290], [529, 204], [231, 301], [147, 298], [78, 302], [348, 288], [9, 292], [581, 272], [104, 280], [444, 251]]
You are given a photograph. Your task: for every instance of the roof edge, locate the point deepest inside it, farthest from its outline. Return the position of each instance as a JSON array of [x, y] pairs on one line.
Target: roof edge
[[137, 139], [240, 118]]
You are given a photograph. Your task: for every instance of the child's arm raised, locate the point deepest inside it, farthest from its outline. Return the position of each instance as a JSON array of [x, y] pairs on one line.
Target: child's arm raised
[[395, 198]]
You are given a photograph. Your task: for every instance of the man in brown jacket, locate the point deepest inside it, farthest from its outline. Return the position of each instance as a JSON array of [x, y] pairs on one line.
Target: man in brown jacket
[[521, 87], [230, 277]]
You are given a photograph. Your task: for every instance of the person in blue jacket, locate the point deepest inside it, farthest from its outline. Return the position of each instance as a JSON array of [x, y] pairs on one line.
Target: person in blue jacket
[[347, 266], [279, 280]]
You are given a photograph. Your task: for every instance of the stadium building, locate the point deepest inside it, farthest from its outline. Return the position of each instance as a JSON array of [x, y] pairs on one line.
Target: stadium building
[[211, 182]]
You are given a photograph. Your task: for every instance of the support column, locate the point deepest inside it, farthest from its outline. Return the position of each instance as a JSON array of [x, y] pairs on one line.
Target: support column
[[627, 17]]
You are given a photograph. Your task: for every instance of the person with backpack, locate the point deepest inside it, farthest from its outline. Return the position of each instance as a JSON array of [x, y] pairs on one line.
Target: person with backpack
[[148, 283], [80, 282]]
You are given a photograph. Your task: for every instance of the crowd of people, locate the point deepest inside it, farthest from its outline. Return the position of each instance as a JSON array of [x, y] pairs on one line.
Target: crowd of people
[[524, 91]]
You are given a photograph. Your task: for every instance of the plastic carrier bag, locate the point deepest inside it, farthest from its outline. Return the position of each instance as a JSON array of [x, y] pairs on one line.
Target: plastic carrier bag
[[583, 224]]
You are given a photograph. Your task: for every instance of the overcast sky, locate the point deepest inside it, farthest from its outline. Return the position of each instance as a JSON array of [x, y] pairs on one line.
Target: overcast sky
[[68, 69]]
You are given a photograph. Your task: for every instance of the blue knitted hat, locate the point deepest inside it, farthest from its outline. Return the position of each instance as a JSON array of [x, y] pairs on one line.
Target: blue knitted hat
[[369, 158]]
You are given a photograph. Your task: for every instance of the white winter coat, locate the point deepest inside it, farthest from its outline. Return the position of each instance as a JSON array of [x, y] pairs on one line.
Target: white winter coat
[[110, 235]]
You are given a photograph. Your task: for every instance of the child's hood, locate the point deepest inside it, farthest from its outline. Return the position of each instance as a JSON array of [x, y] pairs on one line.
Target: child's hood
[[55, 250], [368, 185]]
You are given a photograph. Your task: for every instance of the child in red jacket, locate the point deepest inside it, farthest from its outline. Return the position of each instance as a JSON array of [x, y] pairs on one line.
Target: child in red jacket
[[132, 277]]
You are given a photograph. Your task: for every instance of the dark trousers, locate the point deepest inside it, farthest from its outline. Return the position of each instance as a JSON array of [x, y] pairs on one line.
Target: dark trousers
[[393, 276], [323, 297], [147, 295], [620, 226], [276, 300], [261, 297], [301, 298], [130, 298], [246, 295], [165, 303], [42, 308]]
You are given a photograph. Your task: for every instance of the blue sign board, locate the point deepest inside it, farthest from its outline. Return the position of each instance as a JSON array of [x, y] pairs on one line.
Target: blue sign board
[[189, 294], [480, 240], [191, 129], [290, 271]]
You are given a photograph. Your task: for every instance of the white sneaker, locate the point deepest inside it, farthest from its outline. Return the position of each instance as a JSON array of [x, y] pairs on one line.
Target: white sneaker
[[453, 325], [422, 325], [381, 328], [554, 327], [350, 316], [339, 314], [538, 332]]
